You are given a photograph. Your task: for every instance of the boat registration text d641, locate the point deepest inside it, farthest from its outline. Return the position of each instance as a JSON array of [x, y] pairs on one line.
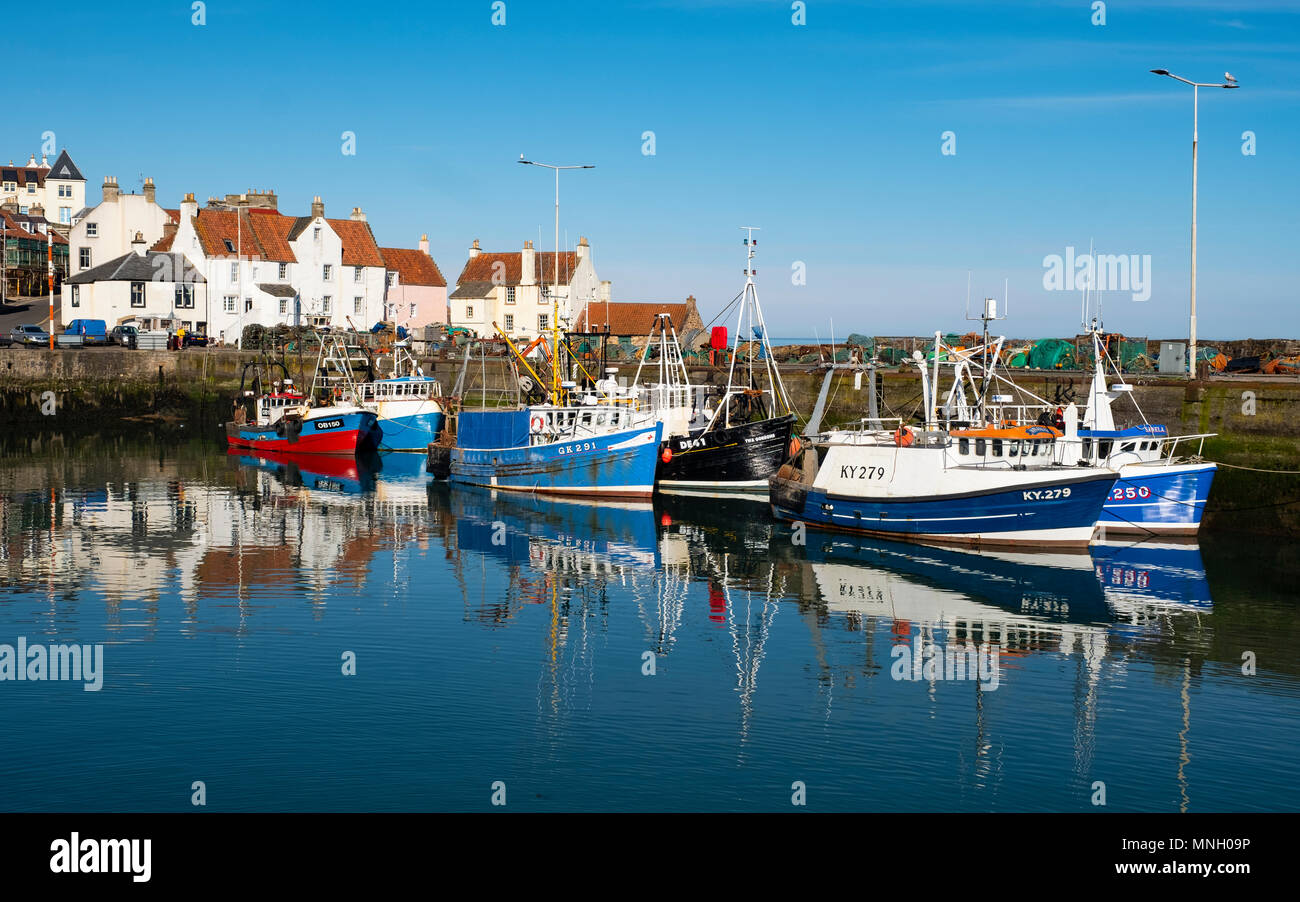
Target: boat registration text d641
[[1046, 494]]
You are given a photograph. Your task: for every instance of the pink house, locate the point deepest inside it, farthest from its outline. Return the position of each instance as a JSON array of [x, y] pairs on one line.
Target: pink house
[[417, 292]]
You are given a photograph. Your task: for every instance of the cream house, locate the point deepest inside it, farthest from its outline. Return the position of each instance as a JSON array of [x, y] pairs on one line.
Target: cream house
[[106, 232], [519, 291], [60, 190], [139, 285]]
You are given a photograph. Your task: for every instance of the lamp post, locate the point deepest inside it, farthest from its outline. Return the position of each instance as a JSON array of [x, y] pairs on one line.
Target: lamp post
[[555, 292], [1229, 83]]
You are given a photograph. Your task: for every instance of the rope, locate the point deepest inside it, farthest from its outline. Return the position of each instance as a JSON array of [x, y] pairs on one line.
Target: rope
[[1258, 469]]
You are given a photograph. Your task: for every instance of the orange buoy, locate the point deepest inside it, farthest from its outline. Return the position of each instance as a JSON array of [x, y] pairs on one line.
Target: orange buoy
[[903, 437], [667, 455], [795, 446]]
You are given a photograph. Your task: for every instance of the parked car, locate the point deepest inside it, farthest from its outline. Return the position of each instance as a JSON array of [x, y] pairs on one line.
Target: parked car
[[123, 335], [92, 331], [30, 336], [195, 341]]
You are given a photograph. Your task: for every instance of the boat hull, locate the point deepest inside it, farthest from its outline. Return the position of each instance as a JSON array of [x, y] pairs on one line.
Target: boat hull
[[737, 459], [344, 434], [1041, 513], [1158, 499], [408, 432], [616, 465]]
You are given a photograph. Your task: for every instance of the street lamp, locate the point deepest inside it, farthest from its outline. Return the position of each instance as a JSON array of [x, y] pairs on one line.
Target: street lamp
[[1228, 82], [555, 291]]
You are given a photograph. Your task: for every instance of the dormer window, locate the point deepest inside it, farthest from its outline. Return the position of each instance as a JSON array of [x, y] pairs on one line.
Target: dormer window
[[230, 246]]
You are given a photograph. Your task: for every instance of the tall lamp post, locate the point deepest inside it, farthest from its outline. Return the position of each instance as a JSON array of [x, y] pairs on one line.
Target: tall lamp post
[[555, 291], [1229, 82]]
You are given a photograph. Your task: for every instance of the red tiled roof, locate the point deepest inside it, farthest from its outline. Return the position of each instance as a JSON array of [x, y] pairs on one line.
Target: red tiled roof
[[482, 268], [173, 215], [630, 317], [164, 243], [414, 267], [359, 246], [16, 231], [215, 227], [272, 232]]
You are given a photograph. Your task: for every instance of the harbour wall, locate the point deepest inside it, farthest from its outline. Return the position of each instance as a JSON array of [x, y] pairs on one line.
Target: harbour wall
[[1257, 419]]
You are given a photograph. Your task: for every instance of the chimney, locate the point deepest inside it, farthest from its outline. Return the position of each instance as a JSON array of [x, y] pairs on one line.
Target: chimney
[[45, 161], [169, 229], [583, 248], [424, 245], [37, 210], [528, 265], [149, 190], [357, 215], [32, 161], [110, 189], [474, 249], [606, 291], [138, 245], [317, 208], [189, 207]]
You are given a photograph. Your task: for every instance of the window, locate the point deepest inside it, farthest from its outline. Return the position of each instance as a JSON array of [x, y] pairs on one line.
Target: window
[[185, 296], [284, 306], [315, 234], [234, 272], [469, 311], [358, 305], [92, 230], [284, 270], [31, 184], [83, 257], [1103, 448], [325, 303], [65, 191], [326, 272], [510, 294], [980, 446], [412, 311], [65, 215], [137, 294], [356, 274], [1087, 448], [963, 446], [248, 304], [510, 322], [228, 303], [543, 322], [1013, 449], [997, 447], [23, 210], [76, 295], [392, 279]]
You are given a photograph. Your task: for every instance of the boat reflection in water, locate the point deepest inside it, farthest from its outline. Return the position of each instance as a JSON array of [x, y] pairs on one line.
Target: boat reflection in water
[[319, 472]]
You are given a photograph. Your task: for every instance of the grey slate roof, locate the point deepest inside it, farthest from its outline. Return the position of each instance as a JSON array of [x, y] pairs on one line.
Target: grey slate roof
[[277, 291], [473, 290], [65, 169], [299, 226], [132, 267]]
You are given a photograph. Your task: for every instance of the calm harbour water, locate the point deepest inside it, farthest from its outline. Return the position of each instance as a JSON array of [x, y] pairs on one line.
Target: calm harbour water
[[505, 638]]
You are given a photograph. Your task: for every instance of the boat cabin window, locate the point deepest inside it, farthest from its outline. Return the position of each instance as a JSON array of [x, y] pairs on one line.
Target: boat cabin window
[[963, 446], [1103, 448], [1087, 447], [1128, 446], [997, 447], [1013, 449], [980, 447]]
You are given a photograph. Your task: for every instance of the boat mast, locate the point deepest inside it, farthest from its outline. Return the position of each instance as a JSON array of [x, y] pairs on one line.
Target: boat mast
[[749, 303]]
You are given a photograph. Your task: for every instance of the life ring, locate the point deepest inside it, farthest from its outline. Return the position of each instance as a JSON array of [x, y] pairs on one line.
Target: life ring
[[903, 437], [537, 424]]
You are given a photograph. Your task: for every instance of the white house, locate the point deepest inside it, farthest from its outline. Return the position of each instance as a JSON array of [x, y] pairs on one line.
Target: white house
[[106, 232], [60, 190], [514, 289], [263, 267], [140, 284]]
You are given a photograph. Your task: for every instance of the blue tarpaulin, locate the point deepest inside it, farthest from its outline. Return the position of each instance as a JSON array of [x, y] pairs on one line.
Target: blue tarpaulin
[[492, 429]]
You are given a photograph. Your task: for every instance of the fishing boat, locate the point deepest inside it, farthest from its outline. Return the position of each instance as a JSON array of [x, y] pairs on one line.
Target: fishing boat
[[273, 415], [560, 446], [411, 416], [740, 441], [982, 484]]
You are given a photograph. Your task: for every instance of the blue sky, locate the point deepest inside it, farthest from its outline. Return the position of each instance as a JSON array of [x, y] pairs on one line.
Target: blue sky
[[827, 135]]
